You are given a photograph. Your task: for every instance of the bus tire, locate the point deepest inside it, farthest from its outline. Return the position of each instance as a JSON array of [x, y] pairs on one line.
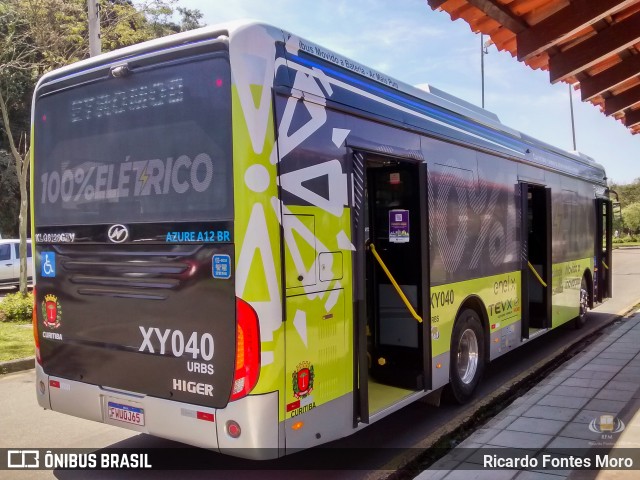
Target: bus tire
[[581, 319], [467, 356]]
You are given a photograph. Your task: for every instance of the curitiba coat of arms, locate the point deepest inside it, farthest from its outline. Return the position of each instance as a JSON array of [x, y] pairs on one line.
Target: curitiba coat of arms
[[51, 311], [303, 380]]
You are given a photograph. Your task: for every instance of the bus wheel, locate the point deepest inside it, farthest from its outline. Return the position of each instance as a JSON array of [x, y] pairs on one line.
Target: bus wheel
[[467, 356], [581, 319]]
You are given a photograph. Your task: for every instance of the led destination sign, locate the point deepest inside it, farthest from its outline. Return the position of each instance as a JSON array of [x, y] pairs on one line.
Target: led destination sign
[[156, 94]]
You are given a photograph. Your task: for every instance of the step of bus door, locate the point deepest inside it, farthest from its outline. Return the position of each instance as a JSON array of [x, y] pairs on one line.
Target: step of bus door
[[388, 372]]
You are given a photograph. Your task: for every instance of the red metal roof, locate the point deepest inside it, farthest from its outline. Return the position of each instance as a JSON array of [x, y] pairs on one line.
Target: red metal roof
[[591, 44]]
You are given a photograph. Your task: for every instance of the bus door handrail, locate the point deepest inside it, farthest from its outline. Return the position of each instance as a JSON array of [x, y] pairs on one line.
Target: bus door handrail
[[404, 298], [542, 282], [605, 265]]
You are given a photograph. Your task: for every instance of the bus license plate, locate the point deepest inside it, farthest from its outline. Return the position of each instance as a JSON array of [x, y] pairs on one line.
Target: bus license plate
[[126, 413]]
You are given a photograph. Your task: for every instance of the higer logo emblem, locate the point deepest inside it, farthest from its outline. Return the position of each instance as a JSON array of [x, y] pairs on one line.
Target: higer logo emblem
[[118, 233]]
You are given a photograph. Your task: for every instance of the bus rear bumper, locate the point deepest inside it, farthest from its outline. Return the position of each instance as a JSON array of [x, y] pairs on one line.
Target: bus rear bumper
[[256, 415]]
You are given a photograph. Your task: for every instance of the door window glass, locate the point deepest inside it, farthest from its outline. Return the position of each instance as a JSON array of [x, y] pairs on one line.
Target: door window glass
[[17, 250]]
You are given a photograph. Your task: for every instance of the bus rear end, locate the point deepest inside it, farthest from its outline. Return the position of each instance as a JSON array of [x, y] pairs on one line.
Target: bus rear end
[[137, 321]]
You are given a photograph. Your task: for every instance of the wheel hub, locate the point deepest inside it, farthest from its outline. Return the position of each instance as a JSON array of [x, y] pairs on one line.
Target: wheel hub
[[584, 302], [467, 356]]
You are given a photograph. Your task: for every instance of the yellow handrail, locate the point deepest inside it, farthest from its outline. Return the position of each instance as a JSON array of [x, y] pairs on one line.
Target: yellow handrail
[[605, 265], [542, 282], [394, 283]]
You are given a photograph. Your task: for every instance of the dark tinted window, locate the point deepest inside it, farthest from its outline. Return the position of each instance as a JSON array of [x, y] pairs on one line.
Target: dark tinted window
[[16, 247], [151, 146], [5, 251]]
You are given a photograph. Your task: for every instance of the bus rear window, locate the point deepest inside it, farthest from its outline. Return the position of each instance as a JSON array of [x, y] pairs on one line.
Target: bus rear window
[[151, 146]]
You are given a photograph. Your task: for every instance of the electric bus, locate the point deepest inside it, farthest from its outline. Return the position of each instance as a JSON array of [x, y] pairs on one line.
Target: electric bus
[[249, 243]]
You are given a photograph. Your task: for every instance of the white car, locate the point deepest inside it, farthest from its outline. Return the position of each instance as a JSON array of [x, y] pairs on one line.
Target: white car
[[10, 262]]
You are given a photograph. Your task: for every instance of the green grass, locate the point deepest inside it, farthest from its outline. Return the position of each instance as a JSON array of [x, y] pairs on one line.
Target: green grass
[[628, 244], [16, 341]]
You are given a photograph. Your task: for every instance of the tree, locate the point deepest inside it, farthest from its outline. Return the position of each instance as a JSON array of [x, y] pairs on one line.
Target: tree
[[18, 60], [10, 198], [190, 19], [628, 193], [160, 19], [39, 35], [631, 217]]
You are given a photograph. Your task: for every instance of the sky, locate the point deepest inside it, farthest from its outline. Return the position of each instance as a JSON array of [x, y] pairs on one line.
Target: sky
[[406, 40]]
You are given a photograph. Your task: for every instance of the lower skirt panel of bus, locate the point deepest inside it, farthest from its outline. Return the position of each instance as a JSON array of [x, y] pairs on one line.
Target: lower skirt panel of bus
[[195, 425]]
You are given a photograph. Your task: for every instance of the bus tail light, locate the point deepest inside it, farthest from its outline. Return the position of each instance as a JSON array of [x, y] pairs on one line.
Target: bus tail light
[[247, 350], [34, 321]]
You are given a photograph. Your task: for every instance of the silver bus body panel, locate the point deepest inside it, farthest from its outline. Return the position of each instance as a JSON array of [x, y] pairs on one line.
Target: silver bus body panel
[[323, 424], [440, 374], [42, 393], [257, 416]]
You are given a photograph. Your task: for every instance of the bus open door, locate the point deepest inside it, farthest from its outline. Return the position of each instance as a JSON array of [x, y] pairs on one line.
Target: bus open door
[[536, 258], [393, 341], [602, 263]]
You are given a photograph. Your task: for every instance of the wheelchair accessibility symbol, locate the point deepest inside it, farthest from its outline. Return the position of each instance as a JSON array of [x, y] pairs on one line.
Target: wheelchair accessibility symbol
[[48, 264]]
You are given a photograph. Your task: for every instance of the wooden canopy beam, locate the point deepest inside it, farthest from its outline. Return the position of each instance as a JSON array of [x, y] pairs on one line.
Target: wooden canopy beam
[[435, 4], [564, 23], [632, 118], [595, 49], [501, 14], [610, 78], [493, 10], [623, 100]]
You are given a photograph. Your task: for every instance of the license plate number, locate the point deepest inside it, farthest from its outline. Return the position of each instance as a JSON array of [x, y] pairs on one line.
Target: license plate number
[[125, 413]]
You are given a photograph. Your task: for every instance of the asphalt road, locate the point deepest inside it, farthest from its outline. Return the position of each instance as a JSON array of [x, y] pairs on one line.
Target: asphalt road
[[24, 424]]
